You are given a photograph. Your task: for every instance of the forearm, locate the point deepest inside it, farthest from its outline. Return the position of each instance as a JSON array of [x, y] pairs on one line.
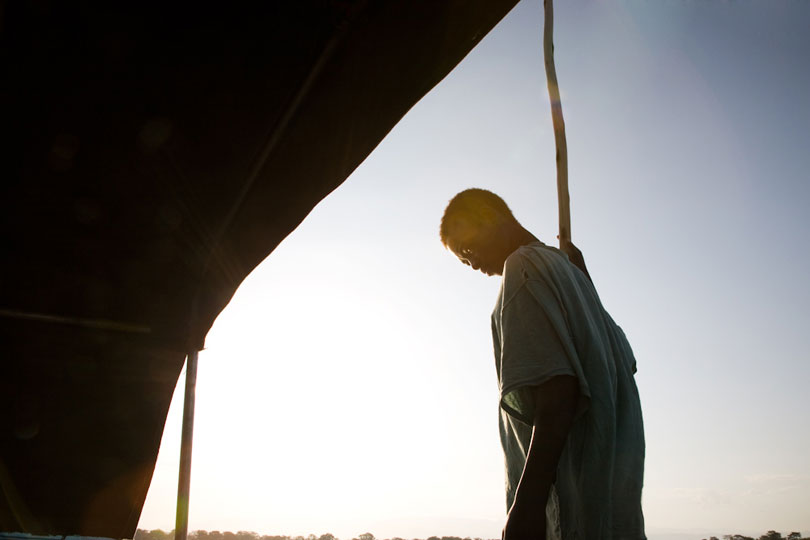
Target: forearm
[[527, 517], [541, 465], [556, 400]]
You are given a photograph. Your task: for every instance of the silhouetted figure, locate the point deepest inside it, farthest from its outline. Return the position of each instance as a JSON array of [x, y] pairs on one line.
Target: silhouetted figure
[[570, 416]]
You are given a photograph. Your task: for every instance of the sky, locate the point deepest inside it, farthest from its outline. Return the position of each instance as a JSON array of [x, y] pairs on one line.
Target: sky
[[349, 386]]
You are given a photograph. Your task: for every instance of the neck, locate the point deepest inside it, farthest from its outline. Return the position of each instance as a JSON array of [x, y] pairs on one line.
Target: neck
[[523, 237], [520, 237]]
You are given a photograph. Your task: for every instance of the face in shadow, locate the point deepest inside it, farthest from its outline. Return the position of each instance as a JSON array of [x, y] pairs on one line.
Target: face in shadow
[[481, 244]]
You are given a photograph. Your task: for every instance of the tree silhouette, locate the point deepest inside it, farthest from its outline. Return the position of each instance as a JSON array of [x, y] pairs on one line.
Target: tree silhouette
[[154, 534], [771, 535], [159, 534]]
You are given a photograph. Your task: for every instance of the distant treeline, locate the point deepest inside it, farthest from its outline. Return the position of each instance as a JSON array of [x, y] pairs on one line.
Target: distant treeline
[[158, 534], [770, 535]]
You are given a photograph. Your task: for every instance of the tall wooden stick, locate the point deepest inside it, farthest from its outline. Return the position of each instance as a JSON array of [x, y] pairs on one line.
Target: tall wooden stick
[[563, 201], [184, 478]]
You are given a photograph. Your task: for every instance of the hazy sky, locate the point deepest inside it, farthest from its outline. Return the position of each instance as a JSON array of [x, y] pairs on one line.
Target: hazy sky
[[350, 384]]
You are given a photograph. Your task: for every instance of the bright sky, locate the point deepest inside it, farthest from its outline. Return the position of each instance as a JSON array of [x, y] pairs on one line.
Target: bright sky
[[350, 384]]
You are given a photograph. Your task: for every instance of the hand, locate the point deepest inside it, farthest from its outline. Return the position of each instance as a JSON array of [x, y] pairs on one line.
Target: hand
[[525, 525]]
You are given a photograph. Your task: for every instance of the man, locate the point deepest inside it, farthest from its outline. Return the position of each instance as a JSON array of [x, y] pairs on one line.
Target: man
[[570, 416]]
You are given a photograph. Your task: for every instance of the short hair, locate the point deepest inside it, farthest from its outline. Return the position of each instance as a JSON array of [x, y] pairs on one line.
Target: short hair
[[468, 203]]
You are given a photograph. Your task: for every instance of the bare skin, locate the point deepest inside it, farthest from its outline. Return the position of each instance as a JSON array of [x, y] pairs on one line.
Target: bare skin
[[484, 243], [554, 413]]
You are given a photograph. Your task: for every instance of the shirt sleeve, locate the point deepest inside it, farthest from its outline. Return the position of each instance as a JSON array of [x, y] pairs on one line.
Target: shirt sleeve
[[536, 345]]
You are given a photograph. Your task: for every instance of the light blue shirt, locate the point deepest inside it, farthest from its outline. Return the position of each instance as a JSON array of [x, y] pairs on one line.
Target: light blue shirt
[[549, 321]]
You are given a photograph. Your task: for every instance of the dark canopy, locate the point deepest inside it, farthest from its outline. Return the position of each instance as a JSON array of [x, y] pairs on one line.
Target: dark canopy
[[153, 154]]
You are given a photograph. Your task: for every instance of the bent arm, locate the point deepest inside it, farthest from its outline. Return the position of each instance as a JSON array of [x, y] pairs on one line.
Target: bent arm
[[554, 413]]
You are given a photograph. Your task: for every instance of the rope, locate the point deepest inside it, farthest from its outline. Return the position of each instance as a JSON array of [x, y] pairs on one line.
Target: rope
[[563, 201]]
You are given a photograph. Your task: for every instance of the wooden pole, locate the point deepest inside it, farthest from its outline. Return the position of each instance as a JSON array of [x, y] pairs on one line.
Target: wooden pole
[[184, 477], [563, 202]]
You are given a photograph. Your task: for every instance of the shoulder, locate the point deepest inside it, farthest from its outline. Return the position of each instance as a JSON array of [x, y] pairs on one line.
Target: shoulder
[[524, 265], [533, 259]]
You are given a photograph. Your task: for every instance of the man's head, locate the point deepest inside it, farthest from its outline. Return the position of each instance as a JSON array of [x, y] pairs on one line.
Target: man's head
[[480, 230]]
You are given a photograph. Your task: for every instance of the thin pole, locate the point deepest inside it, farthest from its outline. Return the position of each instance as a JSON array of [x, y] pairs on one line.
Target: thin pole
[[184, 477], [563, 201]]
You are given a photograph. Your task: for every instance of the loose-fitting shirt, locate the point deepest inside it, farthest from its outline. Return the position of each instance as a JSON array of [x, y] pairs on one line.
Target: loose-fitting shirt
[[549, 321]]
